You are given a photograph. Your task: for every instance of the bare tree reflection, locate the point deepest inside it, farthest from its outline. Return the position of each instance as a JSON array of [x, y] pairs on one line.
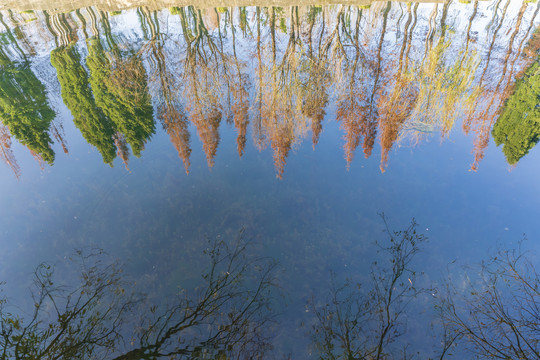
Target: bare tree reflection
[[496, 316], [169, 108], [201, 77], [361, 320], [68, 323], [228, 316], [488, 312], [239, 88]]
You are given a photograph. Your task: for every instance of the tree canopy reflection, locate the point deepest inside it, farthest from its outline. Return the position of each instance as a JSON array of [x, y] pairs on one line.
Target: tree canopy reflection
[[389, 73], [24, 108], [95, 127], [517, 128]]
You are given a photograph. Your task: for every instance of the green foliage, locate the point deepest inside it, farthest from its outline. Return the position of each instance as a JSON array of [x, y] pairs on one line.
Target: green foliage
[[518, 127], [174, 10], [121, 91], [24, 108], [282, 25], [76, 93], [313, 12]]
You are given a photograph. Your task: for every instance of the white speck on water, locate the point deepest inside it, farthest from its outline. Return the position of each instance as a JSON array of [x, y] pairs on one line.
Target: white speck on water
[[506, 229]]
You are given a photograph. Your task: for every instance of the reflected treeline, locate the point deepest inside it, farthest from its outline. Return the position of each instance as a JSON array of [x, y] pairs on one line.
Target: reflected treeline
[[387, 73]]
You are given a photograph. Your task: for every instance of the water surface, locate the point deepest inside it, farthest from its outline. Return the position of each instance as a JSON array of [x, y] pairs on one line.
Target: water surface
[[145, 133]]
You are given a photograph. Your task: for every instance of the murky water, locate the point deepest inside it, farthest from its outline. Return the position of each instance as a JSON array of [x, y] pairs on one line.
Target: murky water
[[166, 137]]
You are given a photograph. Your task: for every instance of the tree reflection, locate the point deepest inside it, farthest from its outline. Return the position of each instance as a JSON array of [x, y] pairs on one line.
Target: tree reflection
[[24, 108], [361, 321], [356, 119], [120, 89], [169, 108], [227, 316], [488, 113], [95, 127], [202, 87], [389, 72], [6, 153], [239, 88], [497, 316], [68, 323], [489, 312], [518, 126]]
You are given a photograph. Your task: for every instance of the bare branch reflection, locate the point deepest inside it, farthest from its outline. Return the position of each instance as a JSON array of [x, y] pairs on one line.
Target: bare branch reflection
[[362, 320], [228, 316], [495, 315]]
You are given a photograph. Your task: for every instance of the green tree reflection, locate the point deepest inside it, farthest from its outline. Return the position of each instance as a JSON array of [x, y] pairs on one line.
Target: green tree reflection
[[518, 127], [24, 108], [120, 89], [95, 127]]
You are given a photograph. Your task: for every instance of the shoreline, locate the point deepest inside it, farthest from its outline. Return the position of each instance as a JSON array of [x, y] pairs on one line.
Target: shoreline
[[64, 6]]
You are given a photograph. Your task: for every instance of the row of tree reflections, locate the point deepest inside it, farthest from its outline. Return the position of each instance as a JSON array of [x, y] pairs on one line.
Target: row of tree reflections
[[233, 313], [389, 72]]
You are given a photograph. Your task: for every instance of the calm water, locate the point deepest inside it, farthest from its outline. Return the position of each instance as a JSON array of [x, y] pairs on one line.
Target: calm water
[[153, 134]]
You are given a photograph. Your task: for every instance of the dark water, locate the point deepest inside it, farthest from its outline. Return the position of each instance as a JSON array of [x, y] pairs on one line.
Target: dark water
[[155, 135]]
